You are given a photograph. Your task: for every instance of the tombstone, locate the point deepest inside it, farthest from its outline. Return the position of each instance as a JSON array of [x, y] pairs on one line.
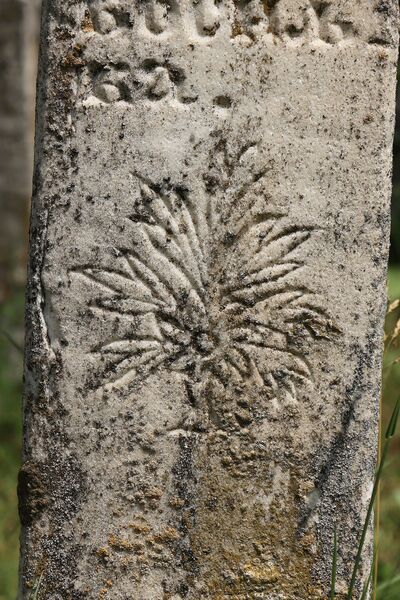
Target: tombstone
[[19, 29], [206, 296]]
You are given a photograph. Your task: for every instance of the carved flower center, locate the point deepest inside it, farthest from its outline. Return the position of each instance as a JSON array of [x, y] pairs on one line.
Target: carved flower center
[[204, 343]]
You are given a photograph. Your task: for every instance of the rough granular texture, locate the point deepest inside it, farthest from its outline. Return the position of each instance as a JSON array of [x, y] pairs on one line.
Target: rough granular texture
[[207, 291]]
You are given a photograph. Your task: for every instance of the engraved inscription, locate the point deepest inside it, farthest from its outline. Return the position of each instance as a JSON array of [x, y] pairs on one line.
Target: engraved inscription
[[166, 80], [154, 80], [112, 83], [157, 14], [108, 16], [204, 13], [251, 19], [207, 17], [313, 19], [111, 79], [333, 25], [288, 21], [298, 21], [211, 293]]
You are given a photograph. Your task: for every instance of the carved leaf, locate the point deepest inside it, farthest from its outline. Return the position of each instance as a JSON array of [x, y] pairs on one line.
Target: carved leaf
[[232, 309]]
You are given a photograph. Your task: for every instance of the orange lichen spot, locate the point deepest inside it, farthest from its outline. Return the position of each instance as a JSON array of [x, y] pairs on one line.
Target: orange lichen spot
[[153, 493], [156, 549], [176, 502], [383, 55], [73, 58], [139, 527], [237, 29], [127, 561], [261, 573], [169, 534], [267, 7], [139, 547], [309, 542], [102, 593], [87, 23], [119, 543], [103, 552]]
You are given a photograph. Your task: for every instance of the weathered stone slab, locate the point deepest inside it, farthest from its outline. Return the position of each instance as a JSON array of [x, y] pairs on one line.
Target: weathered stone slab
[[207, 292]]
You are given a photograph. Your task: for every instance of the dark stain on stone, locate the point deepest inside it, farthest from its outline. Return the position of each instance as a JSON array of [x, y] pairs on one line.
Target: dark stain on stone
[[336, 450], [32, 492], [385, 7], [58, 487], [185, 482]]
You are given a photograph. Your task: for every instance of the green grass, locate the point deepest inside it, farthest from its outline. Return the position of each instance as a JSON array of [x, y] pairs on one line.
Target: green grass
[[386, 446], [389, 536], [11, 318], [394, 283]]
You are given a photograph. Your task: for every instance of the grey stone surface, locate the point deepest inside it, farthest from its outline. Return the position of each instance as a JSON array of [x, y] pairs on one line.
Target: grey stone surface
[[19, 37], [207, 290]]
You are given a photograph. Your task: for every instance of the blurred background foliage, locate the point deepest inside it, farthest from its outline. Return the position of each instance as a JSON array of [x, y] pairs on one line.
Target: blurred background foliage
[[11, 319], [17, 157], [389, 523], [389, 506]]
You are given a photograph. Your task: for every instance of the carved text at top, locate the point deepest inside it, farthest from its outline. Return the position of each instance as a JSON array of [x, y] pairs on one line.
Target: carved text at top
[[290, 21]]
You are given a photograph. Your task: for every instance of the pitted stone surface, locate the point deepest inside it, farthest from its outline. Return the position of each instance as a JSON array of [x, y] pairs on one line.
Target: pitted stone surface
[[207, 291]]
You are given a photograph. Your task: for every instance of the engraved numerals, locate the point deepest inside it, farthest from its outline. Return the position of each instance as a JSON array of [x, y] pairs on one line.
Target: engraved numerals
[[157, 15], [162, 79], [299, 21], [154, 80], [207, 17], [333, 25], [112, 83], [311, 19], [108, 16], [294, 20], [201, 17], [288, 21], [199, 22], [250, 18]]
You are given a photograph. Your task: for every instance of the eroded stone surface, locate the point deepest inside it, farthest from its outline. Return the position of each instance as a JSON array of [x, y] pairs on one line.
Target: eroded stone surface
[[207, 291]]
